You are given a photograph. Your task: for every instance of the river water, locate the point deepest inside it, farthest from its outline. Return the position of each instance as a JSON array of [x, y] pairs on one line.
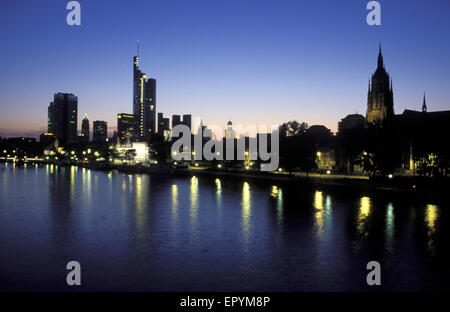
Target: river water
[[140, 232]]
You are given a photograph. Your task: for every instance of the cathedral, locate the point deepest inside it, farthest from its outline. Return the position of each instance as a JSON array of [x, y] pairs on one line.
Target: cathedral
[[380, 99], [421, 136]]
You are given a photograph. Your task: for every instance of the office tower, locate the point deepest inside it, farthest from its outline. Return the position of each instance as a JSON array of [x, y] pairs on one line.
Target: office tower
[[187, 120], [100, 131], [62, 117], [85, 129], [144, 102], [163, 126], [176, 120], [380, 99], [126, 127]]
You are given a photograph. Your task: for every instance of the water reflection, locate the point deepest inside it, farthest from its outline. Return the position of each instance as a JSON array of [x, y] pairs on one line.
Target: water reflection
[[194, 198], [363, 214], [139, 201], [431, 219], [174, 197], [319, 213], [390, 227], [246, 207], [218, 194]]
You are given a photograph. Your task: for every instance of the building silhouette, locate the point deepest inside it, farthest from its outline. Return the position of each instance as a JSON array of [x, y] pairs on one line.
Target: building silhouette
[[144, 102], [380, 99], [100, 131], [126, 127], [85, 132], [62, 117], [163, 126], [187, 120]]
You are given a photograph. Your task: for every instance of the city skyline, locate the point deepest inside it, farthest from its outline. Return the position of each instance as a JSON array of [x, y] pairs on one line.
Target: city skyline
[[223, 72]]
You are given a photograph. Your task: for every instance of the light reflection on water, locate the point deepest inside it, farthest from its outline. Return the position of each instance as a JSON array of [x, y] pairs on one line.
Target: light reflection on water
[[217, 234]]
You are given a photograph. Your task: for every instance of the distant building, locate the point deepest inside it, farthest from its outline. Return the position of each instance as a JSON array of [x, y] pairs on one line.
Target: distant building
[[380, 99], [163, 126], [126, 127], [187, 120], [85, 133], [62, 117], [100, 131], [229, 132], [351, 121], [144, 102], [131, 153], [47, 139]]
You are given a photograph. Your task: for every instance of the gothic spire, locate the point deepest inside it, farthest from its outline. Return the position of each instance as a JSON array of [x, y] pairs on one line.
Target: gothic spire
[[380, 58], [424, 106]]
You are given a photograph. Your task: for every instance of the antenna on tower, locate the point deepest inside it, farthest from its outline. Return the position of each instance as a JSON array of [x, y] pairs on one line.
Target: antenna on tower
[[138, 42]]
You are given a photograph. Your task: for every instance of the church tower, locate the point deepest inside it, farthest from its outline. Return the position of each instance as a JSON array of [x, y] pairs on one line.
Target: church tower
[[380, 99]]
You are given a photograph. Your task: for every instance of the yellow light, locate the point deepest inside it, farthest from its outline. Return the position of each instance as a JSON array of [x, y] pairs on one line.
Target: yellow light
[[319, 153], [431, 216], [89, 150], [219, 166], [328, 172], [4, 151], [72, 152], [196, 165], [247, 167], [119, 116], [246, 153], [84, 152], [174, 153], [280, 169]]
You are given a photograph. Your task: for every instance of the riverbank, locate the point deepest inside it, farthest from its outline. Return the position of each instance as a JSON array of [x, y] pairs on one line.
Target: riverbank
[[416, 187]]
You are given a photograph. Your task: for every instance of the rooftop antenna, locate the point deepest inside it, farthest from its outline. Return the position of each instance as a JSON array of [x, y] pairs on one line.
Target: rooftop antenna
[[138, 42]]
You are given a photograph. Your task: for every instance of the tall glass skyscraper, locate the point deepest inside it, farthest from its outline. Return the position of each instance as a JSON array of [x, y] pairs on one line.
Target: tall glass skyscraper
[[85, 129], [144, 102], [63, 117]]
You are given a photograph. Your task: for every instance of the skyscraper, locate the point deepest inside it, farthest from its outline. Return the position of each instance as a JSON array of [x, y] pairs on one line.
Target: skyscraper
[[380, 99], [62, 117], [163, 126], [100, 131], [144, 102], [85, 129], [126, 127]]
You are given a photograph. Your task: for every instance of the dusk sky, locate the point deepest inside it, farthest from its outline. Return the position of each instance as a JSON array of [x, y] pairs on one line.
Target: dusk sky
[[256, 62]]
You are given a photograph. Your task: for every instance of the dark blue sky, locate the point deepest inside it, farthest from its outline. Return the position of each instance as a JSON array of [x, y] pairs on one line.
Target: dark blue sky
[[259, 62]]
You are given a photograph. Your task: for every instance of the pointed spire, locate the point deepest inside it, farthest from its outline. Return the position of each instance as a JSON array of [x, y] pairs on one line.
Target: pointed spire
[[138, 42], [424, 106], [380, 58]]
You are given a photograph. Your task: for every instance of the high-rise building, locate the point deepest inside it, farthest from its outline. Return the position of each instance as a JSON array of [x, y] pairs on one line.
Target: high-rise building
[[187, 120], [176, 120], [163, 126], [85, 129], [62, 117], [144, 102], [126, 127], [380, 99], [100, 131]]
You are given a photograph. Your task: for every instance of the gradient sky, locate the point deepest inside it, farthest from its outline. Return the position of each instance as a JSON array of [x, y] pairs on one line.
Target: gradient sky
[[254, 61]]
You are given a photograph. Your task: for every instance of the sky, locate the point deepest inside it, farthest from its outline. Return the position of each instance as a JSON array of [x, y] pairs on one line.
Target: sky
[[254, 62]]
